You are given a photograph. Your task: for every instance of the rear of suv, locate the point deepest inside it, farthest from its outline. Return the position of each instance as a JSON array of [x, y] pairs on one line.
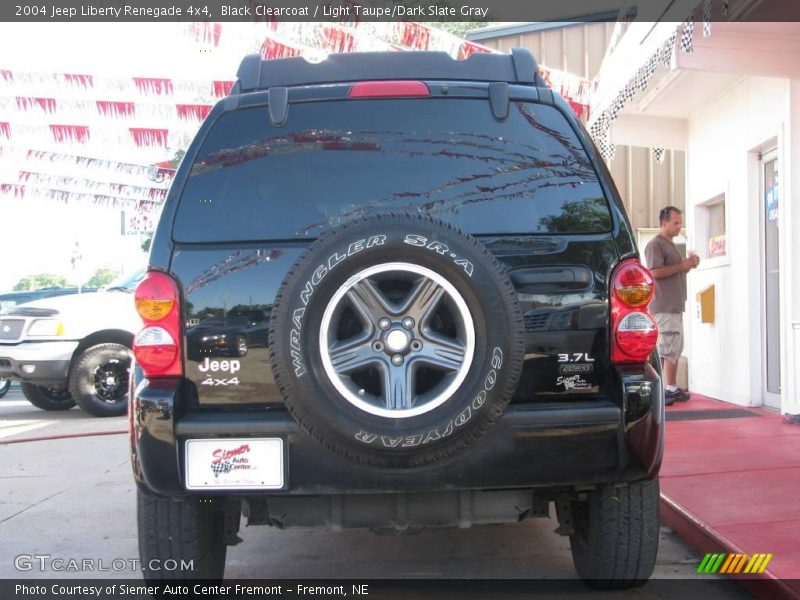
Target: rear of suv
[[458, 327]]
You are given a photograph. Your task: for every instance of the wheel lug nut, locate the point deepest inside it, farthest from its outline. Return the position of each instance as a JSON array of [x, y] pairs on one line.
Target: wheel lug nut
[[397, 360], [408, 323], [384, 323]]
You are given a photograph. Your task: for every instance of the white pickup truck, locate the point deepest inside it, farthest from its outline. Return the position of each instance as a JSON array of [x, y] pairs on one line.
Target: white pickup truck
[[76, 349]]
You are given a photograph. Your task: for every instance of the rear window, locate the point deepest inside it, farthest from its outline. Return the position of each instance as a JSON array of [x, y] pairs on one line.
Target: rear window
[[336, 160]]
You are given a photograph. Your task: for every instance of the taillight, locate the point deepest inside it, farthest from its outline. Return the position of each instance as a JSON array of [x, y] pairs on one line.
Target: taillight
[[633, 284], [157, 346], [633, 330], [389, 89]]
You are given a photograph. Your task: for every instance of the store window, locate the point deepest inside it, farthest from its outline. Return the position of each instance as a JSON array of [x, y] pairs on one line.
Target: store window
[[711, 228]]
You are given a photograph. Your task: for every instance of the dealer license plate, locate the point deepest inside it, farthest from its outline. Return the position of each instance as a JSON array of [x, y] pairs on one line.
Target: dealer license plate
[[235, 464]]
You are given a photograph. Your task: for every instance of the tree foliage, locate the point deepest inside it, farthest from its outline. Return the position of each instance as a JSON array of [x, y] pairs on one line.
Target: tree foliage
[[40, 280], [103, 276]]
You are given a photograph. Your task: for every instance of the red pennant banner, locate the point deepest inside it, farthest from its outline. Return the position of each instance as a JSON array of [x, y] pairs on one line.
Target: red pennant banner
[[5, 130], [580, 110], [48, 105], [109, 108], [70, 133], [149, 137], [18, 191], [415, 36], [154, 86], [193, 111], [337, 40], [468, 49], [274, 49], [222, 88], [76, 80], [6, 75], [206, 33]]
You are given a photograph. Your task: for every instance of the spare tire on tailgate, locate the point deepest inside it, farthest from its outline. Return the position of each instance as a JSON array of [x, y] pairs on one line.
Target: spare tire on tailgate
[[396, 340]]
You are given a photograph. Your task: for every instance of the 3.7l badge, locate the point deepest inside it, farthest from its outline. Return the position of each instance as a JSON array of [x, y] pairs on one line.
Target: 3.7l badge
[[577, 363]]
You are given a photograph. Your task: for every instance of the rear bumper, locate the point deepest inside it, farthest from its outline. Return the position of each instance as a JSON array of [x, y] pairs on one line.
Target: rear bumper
[[577, 444], [49, 361]]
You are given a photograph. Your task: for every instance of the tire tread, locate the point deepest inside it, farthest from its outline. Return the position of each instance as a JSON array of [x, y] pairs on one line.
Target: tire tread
[[617, 543], [179, 530], [33, 394]]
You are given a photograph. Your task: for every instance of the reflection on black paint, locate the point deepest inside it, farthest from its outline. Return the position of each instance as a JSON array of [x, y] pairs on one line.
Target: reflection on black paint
[[236, 261], [251, 181], [587, 215], [215, 336]]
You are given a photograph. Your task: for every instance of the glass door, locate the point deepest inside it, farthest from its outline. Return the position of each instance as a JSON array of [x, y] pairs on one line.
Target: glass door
[[771, 326]]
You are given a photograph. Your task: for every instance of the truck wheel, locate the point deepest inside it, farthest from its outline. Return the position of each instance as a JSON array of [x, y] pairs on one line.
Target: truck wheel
[[5, 385], [191, 535], [397, 340], [99, 380], [616, 535], [47, 398]]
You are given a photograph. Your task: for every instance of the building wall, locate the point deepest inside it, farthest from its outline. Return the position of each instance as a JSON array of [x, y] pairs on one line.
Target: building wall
[[646, 186], [723, 142], [577, 49]]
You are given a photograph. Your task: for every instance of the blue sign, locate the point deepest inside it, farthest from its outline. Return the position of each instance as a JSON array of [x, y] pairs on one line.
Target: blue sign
[[772, 202]]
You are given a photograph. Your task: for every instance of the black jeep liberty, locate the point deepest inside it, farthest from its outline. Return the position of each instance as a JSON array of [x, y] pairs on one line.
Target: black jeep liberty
[[458, 327]]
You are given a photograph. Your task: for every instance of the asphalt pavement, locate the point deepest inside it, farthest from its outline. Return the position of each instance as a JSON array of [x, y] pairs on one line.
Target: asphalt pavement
[[74, 498]]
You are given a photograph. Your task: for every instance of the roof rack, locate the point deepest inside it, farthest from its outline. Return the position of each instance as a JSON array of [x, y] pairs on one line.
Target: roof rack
[[518, 67]]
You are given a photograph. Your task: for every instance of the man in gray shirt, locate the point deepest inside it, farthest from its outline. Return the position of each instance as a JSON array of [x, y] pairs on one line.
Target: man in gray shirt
[[669, 269]]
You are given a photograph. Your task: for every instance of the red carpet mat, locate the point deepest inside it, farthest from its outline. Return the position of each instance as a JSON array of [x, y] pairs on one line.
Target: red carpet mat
[[730, 483]]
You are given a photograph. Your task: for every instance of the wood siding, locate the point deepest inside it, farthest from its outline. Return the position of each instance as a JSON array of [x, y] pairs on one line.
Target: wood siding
[[577, 49], [646, 186]]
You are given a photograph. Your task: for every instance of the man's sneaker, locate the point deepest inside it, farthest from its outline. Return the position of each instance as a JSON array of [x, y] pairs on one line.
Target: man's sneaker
[[678, 395]]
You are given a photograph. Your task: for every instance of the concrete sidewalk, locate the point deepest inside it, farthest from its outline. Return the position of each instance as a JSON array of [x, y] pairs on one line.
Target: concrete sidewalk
[[730, 483]]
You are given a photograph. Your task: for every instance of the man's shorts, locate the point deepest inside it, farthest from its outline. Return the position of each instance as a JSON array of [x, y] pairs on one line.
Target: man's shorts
[[670, 335]]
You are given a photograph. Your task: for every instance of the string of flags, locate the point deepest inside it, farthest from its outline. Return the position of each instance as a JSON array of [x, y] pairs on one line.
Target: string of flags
[[18, 106], [600, 129], [137, 198], [85, 85], [16, 190], [100, 135], [154, 173], [122, 190], [66, 117]]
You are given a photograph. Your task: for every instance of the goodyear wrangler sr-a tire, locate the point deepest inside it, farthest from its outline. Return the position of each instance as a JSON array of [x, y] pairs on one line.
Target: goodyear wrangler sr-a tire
[[396, 340], [615, 543]]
